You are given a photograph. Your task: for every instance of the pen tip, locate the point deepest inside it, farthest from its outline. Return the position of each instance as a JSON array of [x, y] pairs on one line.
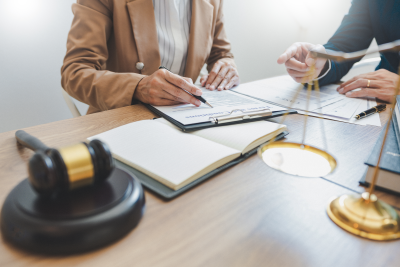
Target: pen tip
[[209, 105]]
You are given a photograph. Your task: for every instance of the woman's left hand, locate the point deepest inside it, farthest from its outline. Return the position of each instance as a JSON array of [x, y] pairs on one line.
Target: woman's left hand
[[223, 76], [382, 85]]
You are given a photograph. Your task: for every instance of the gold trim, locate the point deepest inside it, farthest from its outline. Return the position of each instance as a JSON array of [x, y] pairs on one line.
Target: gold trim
[[292, 149], [79, 165], [366, 217]]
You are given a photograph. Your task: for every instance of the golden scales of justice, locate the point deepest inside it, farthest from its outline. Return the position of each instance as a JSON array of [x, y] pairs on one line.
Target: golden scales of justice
[[363, 215]]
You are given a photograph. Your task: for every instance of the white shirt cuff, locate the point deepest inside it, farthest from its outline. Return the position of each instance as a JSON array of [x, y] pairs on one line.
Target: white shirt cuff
[[330, 65]]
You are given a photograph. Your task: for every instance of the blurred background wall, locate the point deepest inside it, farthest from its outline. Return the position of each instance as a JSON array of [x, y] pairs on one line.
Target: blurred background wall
[[33, 44]]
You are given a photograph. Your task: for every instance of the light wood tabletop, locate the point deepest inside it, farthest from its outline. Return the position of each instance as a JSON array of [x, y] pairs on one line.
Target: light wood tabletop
[[248, 215]]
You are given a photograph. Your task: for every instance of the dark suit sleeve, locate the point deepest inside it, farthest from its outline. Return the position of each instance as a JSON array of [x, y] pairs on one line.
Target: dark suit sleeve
[[354, 34]]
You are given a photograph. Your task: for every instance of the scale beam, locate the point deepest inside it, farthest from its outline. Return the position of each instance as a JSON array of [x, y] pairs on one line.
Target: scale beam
[[342, 56], [365, 215]]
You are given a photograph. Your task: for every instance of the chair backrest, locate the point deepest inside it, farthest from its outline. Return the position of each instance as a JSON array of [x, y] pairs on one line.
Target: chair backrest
[[76, 107]]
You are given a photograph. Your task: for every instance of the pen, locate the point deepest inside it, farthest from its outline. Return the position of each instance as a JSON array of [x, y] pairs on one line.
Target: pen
[[371, 111], [195, 96]]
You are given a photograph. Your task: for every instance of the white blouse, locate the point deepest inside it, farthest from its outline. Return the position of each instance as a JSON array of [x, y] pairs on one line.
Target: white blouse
[[173, 19]]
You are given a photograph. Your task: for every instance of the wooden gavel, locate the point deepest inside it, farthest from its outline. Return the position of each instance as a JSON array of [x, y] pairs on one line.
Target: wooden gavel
[[57, 170]]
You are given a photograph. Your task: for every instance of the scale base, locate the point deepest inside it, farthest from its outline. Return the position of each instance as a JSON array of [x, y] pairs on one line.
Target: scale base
[[368, 218], [76, 222]]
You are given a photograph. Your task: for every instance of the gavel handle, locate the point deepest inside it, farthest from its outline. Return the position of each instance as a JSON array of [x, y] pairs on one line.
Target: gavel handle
[[30, 141]]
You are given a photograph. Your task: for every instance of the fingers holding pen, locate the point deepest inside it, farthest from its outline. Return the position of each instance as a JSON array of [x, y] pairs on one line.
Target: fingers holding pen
[[174, 87], [183, 83], [163, 87]]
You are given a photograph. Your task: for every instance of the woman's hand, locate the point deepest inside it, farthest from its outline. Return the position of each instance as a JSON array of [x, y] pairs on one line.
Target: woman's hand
[[223, 76], [164, 88], [382, 85]]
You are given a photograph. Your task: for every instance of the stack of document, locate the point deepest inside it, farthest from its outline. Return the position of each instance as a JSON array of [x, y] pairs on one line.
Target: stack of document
[[224, 102], [328, 103]]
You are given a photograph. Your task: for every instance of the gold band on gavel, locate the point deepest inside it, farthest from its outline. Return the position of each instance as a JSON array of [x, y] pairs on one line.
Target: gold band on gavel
[[79, 165]]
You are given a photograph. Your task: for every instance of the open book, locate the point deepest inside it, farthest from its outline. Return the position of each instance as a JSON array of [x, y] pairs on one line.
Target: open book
[[174, 158]]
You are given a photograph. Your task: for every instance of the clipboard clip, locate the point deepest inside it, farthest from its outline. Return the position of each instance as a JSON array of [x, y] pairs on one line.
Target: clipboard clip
[[246, 115]]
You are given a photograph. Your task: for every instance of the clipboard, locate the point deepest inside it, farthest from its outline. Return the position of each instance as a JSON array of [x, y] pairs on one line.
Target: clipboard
[[234, 117], [167, 193]]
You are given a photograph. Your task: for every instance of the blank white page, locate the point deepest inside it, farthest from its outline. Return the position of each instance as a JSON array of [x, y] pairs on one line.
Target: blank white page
[[168, 155], [243, 136]]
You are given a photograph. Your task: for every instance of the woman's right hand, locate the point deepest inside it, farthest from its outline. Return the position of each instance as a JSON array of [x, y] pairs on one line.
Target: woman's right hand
[[164, 88]]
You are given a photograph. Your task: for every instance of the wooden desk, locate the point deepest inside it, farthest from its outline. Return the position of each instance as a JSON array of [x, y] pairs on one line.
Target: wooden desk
[[249, 215]]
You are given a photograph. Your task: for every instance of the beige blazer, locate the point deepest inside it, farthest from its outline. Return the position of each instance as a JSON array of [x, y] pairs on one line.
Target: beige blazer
[[109, 37]]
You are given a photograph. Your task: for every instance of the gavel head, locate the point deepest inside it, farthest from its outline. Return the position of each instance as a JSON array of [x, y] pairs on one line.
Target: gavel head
[[70, 167]]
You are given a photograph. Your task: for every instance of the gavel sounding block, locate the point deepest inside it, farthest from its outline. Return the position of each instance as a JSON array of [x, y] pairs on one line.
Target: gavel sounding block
[[79, 221]]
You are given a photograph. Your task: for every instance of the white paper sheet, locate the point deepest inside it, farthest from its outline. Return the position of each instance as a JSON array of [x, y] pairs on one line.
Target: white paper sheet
[[223, 103], [282, 89]]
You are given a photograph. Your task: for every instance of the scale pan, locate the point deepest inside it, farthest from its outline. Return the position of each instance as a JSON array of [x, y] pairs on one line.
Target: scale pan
[[297, 159]]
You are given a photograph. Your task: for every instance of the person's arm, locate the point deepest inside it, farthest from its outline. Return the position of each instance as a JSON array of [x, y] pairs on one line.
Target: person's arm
[[222, 70], [221, 47], [83, 73], [354, 34], [84, 76]]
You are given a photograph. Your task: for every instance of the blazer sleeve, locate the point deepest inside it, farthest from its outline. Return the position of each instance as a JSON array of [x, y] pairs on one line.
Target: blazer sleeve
[[83, 74], [355, 33], [221, 47]]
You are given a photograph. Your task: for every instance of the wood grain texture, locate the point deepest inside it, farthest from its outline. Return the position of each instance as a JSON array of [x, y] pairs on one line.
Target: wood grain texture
[[249, 215]]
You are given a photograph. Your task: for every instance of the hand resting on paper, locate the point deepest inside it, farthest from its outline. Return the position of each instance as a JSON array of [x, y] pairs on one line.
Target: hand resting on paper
[[164, 88], [297, 60], [382, 85], [223, 76]]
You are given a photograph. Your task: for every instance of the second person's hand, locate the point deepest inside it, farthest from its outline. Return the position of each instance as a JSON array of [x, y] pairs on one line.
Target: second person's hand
[[380, 84], [298, 60]]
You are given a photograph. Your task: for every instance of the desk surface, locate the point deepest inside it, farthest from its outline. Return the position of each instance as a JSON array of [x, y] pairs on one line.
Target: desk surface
[[249, 215]]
